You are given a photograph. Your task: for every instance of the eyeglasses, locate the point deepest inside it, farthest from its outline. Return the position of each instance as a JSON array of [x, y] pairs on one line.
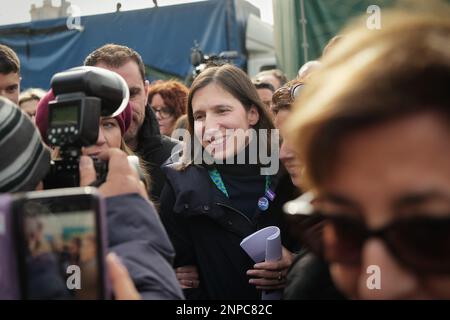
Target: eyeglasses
[[164, 112], [421, 244]]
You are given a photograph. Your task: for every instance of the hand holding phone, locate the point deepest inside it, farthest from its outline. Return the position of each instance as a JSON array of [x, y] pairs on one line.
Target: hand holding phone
[[60, 244]]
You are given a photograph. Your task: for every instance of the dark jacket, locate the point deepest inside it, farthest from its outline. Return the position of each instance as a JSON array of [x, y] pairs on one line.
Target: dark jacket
[[154, 149], [286, 191], [309, 279], [206, 231], [137, 236]]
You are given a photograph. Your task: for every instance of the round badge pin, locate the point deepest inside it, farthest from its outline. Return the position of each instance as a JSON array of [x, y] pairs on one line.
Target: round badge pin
[[263, 203]]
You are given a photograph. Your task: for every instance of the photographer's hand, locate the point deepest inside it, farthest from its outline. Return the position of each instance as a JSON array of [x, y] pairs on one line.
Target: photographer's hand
[[121, 178]]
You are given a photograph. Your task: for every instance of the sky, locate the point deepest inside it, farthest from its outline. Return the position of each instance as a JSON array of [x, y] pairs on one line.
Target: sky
[[17, 11]]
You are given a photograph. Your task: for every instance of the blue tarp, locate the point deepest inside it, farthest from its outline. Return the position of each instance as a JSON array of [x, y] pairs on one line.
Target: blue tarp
[[163, 36]]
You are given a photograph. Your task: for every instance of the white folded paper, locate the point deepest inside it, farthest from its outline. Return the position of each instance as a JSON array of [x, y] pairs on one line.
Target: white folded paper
[[264, 245]]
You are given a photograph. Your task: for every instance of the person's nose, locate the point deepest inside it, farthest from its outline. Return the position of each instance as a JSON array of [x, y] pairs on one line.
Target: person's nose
[[211, 126], [285, 152], [208, 128], [382, 277], [158, 115], [101, 137], [4, 94]]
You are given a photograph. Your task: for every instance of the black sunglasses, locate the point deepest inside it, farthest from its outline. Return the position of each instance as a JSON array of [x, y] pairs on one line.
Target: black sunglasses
[[421, 244]]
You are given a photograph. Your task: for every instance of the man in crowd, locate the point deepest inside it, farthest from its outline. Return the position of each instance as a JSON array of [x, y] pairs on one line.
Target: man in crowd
[[143, 136], [274, 76], [9, 74]]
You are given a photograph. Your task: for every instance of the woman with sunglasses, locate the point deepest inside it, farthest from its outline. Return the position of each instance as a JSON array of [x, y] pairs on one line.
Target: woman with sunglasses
[[376, 151], [168, 101], [216, 196]]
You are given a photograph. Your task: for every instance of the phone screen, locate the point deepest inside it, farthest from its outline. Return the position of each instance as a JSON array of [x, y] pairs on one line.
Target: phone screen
[[60, 251]]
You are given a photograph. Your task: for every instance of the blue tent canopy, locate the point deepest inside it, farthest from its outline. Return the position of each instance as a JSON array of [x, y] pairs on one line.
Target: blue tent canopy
[[163, 36]]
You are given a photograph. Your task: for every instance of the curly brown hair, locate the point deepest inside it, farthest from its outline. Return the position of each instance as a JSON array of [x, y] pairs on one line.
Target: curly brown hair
[[174, 94], [282, 98]]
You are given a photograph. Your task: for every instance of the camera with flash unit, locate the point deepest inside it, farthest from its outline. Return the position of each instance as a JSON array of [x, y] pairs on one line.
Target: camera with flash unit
[[82, 96]]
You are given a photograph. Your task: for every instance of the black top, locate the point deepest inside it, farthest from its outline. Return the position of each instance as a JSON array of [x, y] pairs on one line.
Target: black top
[[154, 149], [309, 279], [244, 183]]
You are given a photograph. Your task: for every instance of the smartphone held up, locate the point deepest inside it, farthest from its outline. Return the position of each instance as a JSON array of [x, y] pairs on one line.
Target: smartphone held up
[[53, 245]]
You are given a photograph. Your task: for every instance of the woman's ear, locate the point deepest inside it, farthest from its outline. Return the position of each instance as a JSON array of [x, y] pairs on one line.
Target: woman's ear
[[252, 116]]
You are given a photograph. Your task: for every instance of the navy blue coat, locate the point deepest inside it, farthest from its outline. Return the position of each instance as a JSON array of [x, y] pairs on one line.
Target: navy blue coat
[[136, 235], [206, 231]]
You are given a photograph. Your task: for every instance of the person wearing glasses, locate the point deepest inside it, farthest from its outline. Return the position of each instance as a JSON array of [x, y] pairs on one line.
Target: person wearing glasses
[[168, 101], [375, 146]]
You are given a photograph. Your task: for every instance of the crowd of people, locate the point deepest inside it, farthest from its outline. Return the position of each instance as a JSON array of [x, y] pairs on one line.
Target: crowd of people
[[360, 143]]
